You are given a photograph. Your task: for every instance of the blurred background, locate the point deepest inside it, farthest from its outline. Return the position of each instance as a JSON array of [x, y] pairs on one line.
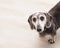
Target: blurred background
[[15, 31]]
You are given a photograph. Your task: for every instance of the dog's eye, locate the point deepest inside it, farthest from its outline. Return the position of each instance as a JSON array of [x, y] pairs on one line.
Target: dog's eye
[[34, 19], [41, 18]]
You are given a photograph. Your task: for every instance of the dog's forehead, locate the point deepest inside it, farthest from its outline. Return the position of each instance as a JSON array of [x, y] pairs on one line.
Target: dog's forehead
[[38, 14]]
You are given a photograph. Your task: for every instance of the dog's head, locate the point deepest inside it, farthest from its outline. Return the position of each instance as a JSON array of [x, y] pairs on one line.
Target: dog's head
[[39, 21]]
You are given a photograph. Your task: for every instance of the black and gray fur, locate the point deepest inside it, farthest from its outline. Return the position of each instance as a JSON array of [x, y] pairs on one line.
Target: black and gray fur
[[55, 12]]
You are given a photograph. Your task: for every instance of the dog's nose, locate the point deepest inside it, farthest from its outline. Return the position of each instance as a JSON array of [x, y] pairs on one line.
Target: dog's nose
[[38, 30]]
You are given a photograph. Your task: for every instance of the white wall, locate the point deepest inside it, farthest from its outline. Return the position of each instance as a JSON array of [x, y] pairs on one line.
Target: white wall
[[14, 28]]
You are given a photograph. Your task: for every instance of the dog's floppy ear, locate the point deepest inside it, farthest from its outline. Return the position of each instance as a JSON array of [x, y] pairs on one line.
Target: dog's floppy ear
[[30, 22], [49, 20]]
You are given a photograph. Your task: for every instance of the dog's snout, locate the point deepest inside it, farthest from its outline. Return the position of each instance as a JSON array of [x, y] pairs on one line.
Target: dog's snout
[[38, 28]]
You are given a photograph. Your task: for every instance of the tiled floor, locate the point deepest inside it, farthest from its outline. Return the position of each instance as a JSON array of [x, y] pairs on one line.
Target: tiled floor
[[14, 28]]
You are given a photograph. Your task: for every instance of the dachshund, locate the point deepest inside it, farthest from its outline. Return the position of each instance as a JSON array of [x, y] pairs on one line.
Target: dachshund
[[46, 24]]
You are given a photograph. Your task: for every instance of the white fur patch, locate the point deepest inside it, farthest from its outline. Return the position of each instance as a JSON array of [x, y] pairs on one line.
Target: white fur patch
[[42, 23]]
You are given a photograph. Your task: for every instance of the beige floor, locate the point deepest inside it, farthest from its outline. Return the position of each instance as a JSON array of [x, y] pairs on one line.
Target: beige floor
[[14, 28]]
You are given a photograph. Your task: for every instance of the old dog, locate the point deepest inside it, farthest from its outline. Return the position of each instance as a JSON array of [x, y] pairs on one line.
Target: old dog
[[46, 24]]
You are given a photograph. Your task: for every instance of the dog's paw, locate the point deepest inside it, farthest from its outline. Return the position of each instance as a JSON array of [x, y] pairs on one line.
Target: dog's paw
[[51, 41]]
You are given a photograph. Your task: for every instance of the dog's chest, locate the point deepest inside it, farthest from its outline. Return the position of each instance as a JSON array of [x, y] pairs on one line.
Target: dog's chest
[[48, 31]]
